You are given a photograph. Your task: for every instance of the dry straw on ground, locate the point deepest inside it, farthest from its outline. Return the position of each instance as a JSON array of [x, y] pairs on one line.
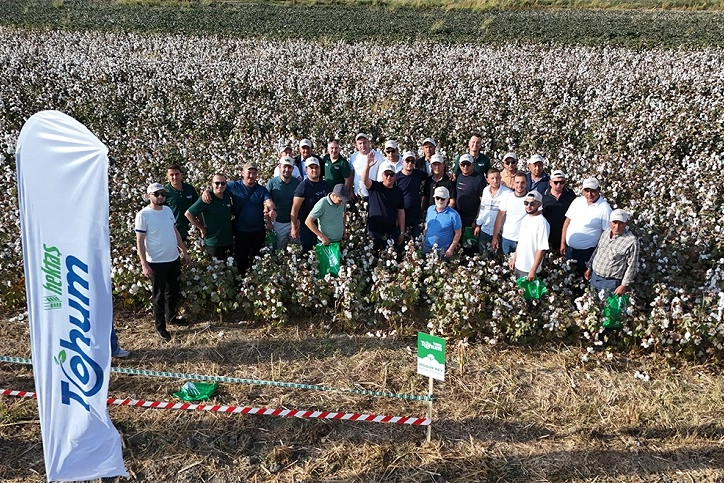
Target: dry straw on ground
[[503, 414]]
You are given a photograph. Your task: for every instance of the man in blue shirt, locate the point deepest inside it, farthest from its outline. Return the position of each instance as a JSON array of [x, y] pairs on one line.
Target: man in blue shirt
[[443, 227]]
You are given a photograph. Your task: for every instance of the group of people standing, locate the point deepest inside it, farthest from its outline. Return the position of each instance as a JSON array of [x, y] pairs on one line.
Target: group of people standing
[[523, 213]]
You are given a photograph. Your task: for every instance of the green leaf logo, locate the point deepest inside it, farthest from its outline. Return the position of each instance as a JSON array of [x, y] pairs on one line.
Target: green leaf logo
[[60, 358]]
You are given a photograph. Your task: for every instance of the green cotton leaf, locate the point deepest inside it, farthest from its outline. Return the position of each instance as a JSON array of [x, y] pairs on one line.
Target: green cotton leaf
[[61, 356]]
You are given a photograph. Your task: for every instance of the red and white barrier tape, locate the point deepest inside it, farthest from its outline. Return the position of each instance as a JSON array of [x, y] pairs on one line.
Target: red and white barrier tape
[[290, 413]]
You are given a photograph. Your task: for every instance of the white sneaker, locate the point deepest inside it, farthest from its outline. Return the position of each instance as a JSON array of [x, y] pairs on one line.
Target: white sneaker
[[121, 353]]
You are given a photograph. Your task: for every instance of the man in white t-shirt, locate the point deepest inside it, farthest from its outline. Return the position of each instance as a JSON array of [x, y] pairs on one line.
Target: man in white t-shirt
[[493, 195], [533, 239], [358, 160], [285, 151], [510, 214], [586, 219], [158, 243]]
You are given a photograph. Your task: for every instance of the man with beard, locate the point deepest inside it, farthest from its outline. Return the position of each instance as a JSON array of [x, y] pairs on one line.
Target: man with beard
[[282, 190], [511, 213], [306, 195], [533, 239]]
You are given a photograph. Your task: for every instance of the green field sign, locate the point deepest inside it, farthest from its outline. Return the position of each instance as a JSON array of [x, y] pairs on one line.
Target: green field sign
[[431, 356]]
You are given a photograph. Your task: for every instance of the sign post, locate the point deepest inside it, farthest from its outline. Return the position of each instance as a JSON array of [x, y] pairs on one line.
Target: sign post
[[430, 363]]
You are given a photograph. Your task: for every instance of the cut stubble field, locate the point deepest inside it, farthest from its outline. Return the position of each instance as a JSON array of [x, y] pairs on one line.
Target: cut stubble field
[[503, 413]]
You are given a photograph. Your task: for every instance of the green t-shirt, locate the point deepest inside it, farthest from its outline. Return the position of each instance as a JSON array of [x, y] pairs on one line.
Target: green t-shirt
[[282, 194], [217, 219], [179, 201], [330, 218], [335, 173]]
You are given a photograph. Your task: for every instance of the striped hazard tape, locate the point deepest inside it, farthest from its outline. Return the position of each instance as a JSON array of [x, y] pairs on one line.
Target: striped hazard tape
[[289, 413]]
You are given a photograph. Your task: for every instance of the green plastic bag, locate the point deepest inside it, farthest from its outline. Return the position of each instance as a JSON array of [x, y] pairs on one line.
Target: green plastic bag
[[330, 258], [615, 305], [271, 240], [469, 239], [197, 391], [533, 289]]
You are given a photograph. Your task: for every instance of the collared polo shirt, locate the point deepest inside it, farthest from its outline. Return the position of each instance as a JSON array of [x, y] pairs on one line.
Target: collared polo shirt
[[179, 201], [217, 219], [440, 227]]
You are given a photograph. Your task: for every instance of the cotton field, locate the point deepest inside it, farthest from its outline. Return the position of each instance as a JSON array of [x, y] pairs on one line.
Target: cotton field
[[649, 124]]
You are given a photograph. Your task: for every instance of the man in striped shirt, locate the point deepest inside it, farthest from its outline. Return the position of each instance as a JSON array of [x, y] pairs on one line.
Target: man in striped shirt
[[615, 261]]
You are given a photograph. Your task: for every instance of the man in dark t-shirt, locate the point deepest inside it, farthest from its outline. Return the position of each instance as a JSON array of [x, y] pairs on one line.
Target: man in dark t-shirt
[[386, 216], [309, 191], [410, 180]]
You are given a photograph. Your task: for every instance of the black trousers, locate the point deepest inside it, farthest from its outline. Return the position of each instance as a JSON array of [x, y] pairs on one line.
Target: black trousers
[[219, 253], [247, 245], [165, 291]]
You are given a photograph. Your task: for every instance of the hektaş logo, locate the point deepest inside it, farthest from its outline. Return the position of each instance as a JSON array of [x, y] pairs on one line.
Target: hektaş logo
[[84, 375], [53, 283]]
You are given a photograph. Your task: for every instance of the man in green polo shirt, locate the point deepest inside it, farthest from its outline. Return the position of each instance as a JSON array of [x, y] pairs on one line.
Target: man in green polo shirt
[[336, 169], [330, 216], [213, 220], [180, 197], [282, 189]]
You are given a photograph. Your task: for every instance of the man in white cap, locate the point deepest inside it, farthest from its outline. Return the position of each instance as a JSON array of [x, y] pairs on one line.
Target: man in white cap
[[509, 169], [437, 178], [285, 151], [586, 219], [615, 261], [428, 150], [533, 239], [469, 186], [443, 227], [358, 160], [411, 180], [305, 152], [282, 190], [386, 217], [158, 243], [537, 177], [327, 218], [481, 162], [392, 156], [556, 201], [312, 189]]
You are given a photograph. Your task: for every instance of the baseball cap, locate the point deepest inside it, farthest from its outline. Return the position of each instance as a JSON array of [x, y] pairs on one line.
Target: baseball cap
[[511, 155], [153, 187], [386, 166], [619, 215], [558, 174], [536, 158], [535, 195], [441, 192], [590, 183], [305, 142], [362, 135], [391, 144], [311, 161], [465, 158], [408, 154], [286, 160], [251, 165], [341, 191], [283, 148], [429, 140], [437, 158]]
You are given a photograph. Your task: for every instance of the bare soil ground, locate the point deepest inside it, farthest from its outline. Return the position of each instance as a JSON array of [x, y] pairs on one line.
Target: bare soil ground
[[503, 413]]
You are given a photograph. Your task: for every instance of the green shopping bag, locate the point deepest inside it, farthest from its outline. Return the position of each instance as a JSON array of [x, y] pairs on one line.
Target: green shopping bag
[[533, 289], [330, 258], [615, 305], [469, 239], [197, 391]]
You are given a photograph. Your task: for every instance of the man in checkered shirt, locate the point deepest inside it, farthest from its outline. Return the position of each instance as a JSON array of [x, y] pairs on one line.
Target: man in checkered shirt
[[615, 262]]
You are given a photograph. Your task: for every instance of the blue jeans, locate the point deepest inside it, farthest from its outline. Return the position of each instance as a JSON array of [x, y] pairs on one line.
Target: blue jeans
[[603, 287], [114, 341], [508, 246]]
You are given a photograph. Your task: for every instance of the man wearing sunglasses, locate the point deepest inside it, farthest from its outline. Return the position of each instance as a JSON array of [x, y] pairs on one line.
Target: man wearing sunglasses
[[411, 180], [386, 217], [533, 240], [443, 227], [213, 220], [556, 200], [510, 167], [158, 243], [392, 156]]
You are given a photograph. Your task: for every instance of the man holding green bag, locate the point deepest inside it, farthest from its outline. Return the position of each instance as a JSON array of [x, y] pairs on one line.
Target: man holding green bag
[[328, 217], [615, 261]]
